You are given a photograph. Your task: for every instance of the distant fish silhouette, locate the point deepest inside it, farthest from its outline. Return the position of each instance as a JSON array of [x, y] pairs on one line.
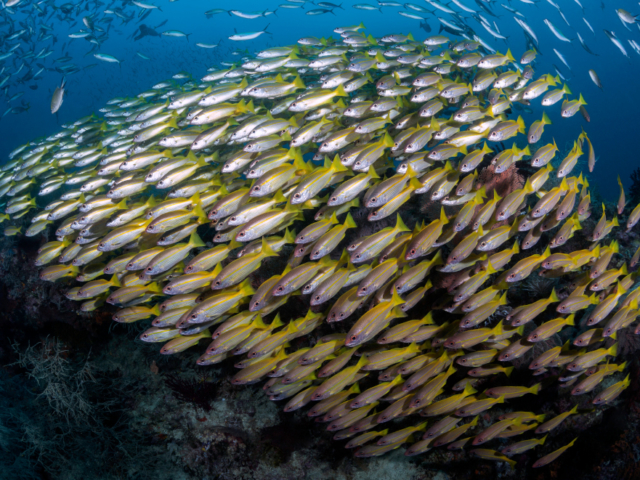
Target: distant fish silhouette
[[425, 26]]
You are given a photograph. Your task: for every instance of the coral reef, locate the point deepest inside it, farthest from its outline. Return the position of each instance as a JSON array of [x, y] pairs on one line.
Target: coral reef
[[148, 432], [634, 190], [198, 390]]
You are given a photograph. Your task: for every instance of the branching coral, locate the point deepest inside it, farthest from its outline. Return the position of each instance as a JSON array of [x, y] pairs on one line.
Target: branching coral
[[64, 387], [66, 416]]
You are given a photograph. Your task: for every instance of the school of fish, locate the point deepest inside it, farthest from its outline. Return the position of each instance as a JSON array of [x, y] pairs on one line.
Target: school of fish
[[173, 205]]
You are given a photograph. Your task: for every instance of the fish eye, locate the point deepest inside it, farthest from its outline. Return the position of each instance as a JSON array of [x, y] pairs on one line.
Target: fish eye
[[218, 282]]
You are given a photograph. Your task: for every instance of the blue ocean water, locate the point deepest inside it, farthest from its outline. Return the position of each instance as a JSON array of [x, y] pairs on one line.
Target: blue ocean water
[[613, 110]]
